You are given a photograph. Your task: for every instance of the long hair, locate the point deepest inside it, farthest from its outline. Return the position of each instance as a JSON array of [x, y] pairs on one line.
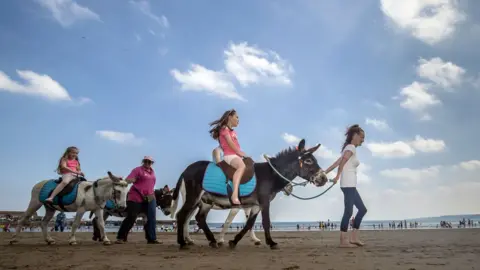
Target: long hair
[[219, 123], [352, 130], [65, 154]]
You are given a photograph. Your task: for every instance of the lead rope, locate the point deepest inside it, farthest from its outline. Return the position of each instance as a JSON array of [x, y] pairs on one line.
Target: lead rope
[[296, 184]]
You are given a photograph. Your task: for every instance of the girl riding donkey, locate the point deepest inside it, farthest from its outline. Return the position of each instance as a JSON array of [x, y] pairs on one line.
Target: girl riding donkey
[[228, 140], [69, 168]]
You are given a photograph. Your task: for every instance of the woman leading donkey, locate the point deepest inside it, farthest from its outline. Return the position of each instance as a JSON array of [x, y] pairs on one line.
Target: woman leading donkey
[[270, 179]]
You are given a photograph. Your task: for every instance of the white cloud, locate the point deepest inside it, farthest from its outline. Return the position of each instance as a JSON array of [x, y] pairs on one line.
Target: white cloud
[[67, 12], [362, 175], [120, 137], [398, 149], [144, 7], [201, 79], [402, 149], [470, 165], [444, 74], [251, 65], [417, 99], [290, 139], [379, 105], [430, 21], [413, 176], [38, 85], [326, 153], [376, 123], [427, 145]]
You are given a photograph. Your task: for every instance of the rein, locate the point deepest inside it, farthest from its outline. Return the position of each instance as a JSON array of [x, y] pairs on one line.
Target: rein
[[296, 184]]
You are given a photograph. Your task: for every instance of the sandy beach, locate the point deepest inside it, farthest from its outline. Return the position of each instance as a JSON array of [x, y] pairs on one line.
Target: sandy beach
[[408, 249]]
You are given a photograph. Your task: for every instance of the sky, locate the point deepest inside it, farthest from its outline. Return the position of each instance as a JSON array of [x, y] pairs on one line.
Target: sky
[[125, 79]]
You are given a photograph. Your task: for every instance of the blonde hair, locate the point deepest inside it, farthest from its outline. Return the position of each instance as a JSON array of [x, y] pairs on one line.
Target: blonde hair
[[65, 154]]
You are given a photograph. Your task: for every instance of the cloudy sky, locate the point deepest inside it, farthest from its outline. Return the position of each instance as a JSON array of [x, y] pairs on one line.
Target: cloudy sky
[[124, 79]]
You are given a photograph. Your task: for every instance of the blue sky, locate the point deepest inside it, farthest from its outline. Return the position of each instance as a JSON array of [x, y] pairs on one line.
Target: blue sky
[[124, 79]]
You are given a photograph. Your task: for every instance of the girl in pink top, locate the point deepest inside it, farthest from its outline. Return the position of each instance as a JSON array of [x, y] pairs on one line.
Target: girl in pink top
[[69, 168], [232, 154]]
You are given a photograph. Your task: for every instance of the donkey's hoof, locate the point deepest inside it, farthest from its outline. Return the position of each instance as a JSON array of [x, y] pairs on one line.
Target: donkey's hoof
[[274, 246], [107, 243], [72, 243], [258, 243], [220, 243], [213, 244], [11, 242], [190, 243], [231, 244]]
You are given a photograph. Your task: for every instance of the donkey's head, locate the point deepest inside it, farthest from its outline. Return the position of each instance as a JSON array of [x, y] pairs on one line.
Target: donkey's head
[[164, 198], [119, 191], [302, 163]]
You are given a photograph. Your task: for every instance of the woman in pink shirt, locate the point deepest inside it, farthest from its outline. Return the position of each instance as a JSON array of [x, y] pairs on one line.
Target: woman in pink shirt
[[141, 199], [232, 154], [69, 168]]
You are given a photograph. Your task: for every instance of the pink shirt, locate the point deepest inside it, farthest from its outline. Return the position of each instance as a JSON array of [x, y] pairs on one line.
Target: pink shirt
[[145, 184], [223, 142], [72, 165]]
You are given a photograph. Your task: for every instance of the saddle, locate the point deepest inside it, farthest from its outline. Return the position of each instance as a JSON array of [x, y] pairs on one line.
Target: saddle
[[229, 170], [68, 188]]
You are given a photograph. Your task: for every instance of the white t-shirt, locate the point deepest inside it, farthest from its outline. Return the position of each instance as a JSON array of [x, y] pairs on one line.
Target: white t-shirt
[[349, 172]]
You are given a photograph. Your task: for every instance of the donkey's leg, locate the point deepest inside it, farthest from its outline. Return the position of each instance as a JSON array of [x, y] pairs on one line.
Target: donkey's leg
[[33, 207], [248, 226], [96, 231], [201, 218], [183, 218], [76, 223], [266, 224], [49, 212], [252, 232], [101, 226], [186, 227], [226, 225]]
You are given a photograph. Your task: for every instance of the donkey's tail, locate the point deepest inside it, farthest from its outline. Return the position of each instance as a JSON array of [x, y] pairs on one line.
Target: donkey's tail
[[180, 187]]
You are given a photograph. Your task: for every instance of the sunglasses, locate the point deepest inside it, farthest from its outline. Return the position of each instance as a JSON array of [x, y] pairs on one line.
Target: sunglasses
[[147, 161]]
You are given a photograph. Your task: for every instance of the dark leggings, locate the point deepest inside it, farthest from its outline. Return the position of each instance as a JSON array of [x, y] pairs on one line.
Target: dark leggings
[[351, 198]]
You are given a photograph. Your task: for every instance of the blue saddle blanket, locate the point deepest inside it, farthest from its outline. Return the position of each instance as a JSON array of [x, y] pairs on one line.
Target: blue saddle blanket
[[110, 205], [48, 188], [214, 181]]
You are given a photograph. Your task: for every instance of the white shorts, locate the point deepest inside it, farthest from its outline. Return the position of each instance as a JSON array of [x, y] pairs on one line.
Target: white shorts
[[228, 159]]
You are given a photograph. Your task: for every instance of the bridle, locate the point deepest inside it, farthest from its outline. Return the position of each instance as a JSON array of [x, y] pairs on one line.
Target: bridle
[[298, 184], [97, 199]]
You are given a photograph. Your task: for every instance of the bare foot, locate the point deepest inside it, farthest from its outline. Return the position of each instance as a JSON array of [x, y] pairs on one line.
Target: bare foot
[[358, 243], [346, 245], [235, 201]]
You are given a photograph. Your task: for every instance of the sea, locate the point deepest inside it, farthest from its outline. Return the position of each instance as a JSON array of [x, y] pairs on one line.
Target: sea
[[421, 223]]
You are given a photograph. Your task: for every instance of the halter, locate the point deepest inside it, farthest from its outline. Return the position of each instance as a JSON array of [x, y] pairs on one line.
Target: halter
[[97, 200], [296, 184]]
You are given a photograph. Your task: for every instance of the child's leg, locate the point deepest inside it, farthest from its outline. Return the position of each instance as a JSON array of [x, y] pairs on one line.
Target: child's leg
[[216, 155], [239, 165], [66, 178]]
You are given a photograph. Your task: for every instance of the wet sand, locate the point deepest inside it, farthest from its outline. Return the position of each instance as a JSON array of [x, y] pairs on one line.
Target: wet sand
[[407, 250]]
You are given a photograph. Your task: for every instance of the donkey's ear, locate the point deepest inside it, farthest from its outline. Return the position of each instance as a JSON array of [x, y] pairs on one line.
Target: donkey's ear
[[313, 149], [301, 145]]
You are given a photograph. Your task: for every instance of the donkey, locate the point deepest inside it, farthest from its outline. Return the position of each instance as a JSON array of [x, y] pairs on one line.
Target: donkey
[[163, 199], [78, 196], [206, 186], [233, 212]]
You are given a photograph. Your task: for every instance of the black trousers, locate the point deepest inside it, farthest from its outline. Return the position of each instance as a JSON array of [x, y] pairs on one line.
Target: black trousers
[[133, 209]]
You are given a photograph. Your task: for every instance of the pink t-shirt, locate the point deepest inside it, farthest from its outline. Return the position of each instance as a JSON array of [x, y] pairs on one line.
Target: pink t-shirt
[[223, 142], [72, 165], [145, 184]]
